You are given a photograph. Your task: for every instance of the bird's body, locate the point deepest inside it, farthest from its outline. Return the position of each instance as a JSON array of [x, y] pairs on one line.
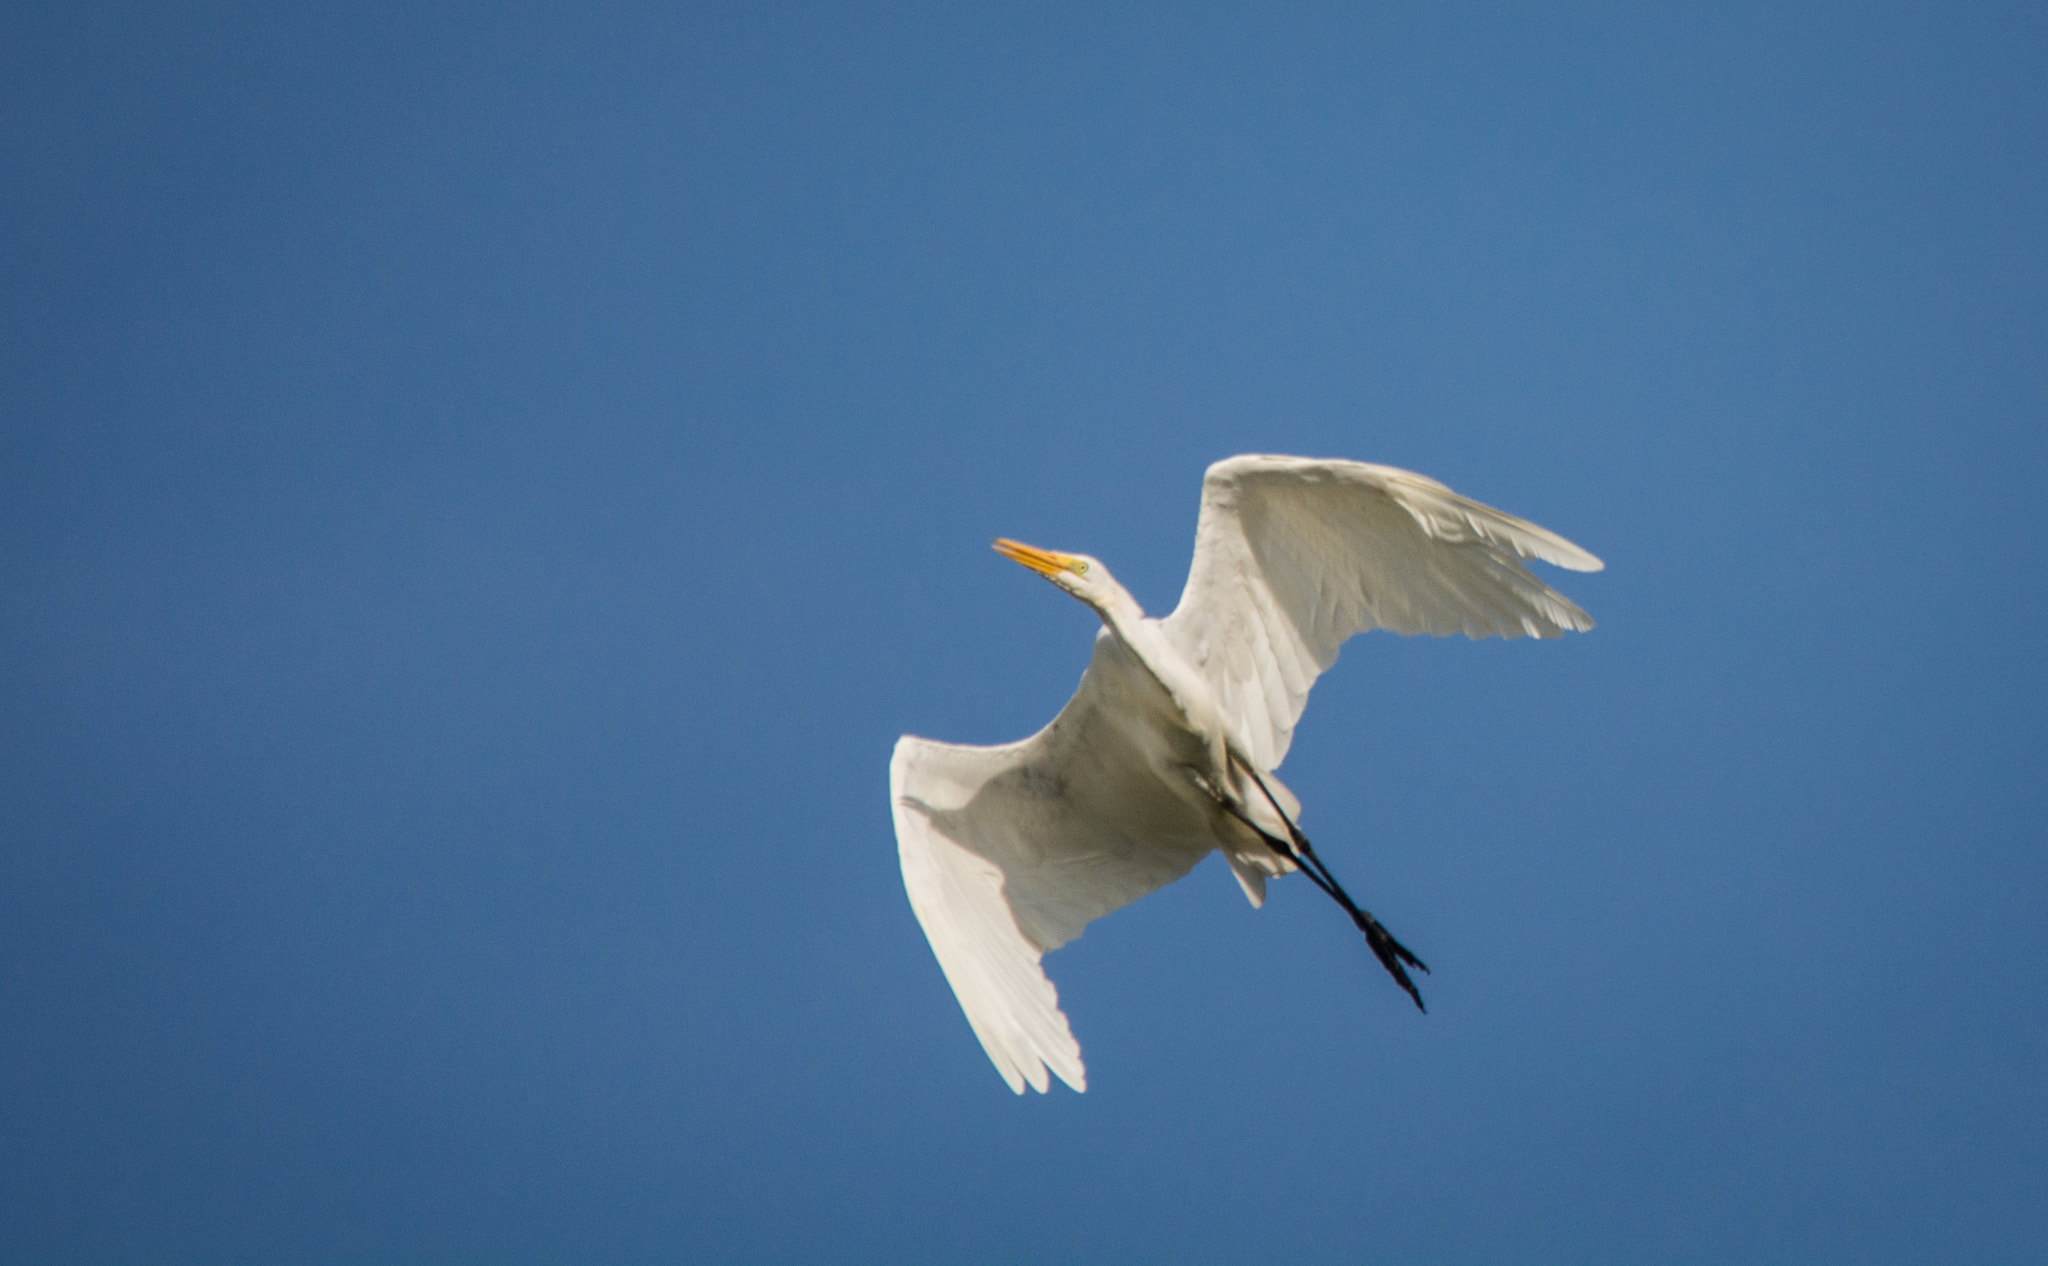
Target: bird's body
[[1167, 748]]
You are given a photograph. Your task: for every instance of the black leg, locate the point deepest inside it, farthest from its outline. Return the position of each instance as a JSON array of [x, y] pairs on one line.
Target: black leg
[[1391, 953]]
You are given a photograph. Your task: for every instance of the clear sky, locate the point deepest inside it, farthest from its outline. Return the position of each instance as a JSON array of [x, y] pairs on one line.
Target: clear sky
[[482, 488]]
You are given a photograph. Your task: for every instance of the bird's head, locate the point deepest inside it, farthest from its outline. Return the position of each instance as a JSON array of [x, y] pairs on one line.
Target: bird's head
[[1084, 577]]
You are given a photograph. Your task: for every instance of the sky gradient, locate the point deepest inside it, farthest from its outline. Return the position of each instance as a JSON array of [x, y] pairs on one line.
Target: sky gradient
[[482, 490]]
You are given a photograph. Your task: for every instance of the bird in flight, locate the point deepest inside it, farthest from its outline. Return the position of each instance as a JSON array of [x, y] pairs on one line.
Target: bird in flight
[[1168, 747]]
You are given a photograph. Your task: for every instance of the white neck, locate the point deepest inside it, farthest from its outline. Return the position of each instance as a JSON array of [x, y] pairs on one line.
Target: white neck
[[1119, 610], [1189, 689]]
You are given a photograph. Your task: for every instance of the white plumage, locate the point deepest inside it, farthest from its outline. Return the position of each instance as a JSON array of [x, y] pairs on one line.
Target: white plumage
[[1011, 851]]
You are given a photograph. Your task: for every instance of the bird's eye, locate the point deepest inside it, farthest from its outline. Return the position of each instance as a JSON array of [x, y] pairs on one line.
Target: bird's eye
[[1078, 567]]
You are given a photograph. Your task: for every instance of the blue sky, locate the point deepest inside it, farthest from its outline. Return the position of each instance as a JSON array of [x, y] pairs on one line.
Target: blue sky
[[481, 490]]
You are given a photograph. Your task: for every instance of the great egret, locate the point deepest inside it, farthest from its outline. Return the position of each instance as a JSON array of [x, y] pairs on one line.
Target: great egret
[[1167, 748]]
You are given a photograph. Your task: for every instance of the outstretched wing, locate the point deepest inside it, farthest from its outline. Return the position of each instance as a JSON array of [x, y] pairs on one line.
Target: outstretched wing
[[1011, 851], [1293, 555]]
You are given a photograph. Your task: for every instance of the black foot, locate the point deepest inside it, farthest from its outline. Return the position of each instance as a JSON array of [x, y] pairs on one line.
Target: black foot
[[1391, 953]]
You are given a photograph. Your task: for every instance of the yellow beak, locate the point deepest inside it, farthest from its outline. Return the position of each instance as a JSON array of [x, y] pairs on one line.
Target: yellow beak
[[1043, 561]]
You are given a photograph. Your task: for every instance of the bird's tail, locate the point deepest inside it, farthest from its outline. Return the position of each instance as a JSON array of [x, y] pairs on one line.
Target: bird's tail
[[1251, 859]]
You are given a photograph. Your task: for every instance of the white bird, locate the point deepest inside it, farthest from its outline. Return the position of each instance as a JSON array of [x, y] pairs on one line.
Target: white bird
[[1167, 748]]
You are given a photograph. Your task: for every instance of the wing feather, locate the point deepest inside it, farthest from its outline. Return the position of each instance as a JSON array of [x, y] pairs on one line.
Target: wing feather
[[1294, 555], [1011, 851]]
